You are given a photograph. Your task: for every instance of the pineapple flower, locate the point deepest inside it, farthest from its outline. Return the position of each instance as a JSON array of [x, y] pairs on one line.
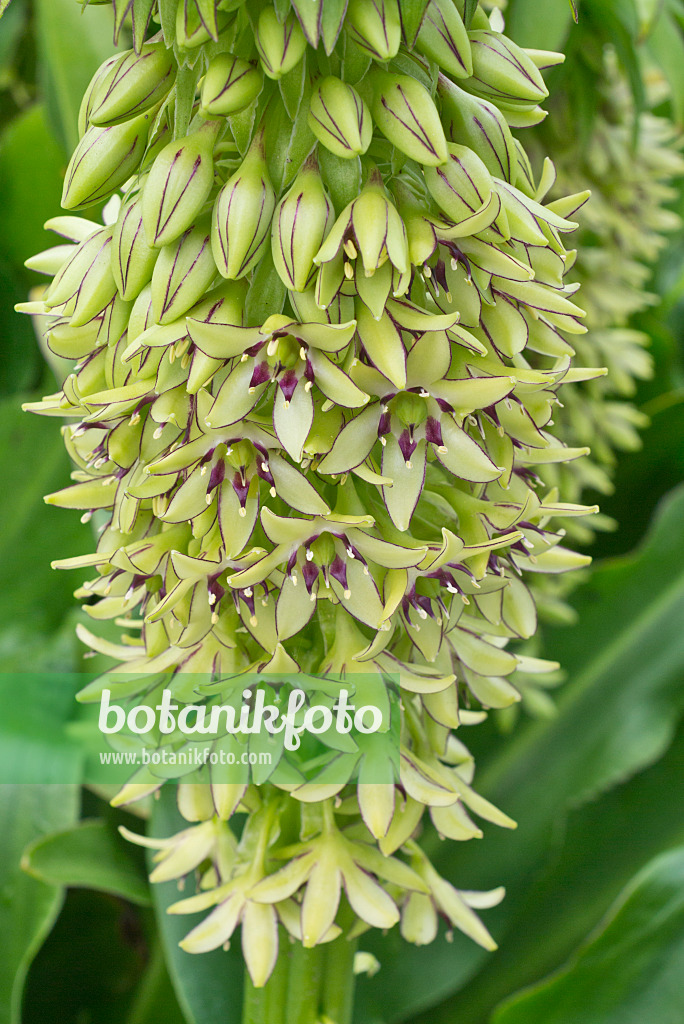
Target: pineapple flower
[[370, 228], [327, 864], [420, 912], [369, 424]]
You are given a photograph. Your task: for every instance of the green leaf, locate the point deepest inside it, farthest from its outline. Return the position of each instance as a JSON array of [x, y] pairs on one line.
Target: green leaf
[[33, 463], [71, 46], [30, 188], [208, 987], [617, 715], [412, 13], [631, 969], [28, 907], [603, 844], [89, 855], [526, 28], [666, 46], [12, 30]]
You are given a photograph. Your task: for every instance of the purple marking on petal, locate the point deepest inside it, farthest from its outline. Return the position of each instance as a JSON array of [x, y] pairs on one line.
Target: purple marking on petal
[[291, 562], [407, 445], [241, 488], [385, 424], [420, 601], [248, 599], [218, 473], [288, 384], [310, 574], [215, 589], [338, 570], [262, 374], [433, 432]]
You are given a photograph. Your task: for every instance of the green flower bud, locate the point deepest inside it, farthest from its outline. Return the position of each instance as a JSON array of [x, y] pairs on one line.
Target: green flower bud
[[444, 39], [229, 85], [503, 71], [340, 119], [406, 114], [463, 186], [91, 93], [133, 85], [478, 124], [178, 185], [103, 160], [85, 284], [133, 259], [375, 27], [182, 274], [281, 46], [242, 216], [371, 228], [300, 224]]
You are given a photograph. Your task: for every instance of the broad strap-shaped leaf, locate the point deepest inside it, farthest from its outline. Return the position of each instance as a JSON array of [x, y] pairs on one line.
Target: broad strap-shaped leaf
[[208, 987], [630, 969], [88, 855]]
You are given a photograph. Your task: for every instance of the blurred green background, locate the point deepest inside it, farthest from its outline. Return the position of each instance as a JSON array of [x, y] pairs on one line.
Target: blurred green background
[[592, 930]]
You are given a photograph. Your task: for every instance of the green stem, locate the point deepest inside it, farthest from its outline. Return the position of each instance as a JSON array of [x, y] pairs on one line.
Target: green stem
[[304, 985], [267, 1005], [253, 1002], [339, 980]]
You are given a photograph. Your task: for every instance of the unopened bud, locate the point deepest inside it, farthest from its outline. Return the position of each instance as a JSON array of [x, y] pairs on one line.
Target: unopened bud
[[178, 185], [480, 125], [133, 259], [103, 160], [281, 45], [340, 119], [229, 85], [85, 283], [300, 224], [91, 93], [182, 274], [444, 39], [503, 71], [134, 84], [406, 114], [375, 27], [462, 186], [242, 216]]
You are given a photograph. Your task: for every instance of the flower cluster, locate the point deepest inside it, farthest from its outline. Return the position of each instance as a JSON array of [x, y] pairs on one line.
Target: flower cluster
[[317, 356], [630, 163]]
